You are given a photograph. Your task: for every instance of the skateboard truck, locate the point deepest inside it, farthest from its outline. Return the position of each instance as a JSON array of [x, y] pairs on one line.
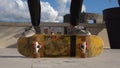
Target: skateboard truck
[[36, 45], [83, 47]]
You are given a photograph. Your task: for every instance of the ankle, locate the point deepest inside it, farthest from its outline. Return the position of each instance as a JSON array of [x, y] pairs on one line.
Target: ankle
[[37, 29]]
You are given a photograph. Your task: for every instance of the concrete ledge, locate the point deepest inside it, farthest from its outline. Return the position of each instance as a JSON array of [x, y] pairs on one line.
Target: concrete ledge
[[53, 24]]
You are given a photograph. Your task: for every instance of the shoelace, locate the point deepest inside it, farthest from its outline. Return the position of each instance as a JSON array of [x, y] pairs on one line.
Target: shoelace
[[80, 27]]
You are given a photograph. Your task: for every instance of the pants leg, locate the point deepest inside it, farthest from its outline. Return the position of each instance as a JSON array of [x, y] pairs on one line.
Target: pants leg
[[35, 13], [75, 10]]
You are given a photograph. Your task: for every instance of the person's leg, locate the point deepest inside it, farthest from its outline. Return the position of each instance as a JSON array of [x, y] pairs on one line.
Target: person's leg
[[75, 10], [35, 13]]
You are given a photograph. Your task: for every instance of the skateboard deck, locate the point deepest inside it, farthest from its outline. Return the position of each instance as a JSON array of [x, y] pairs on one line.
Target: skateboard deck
[[61, 46]]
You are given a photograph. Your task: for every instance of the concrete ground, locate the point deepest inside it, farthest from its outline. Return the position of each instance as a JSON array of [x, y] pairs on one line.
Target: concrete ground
[[10, 58]]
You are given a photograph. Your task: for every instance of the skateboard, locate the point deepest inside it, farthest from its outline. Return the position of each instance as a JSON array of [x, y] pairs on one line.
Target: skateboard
[[60, 46]]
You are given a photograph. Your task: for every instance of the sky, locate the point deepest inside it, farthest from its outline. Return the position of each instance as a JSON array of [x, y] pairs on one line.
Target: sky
[[51, 10]]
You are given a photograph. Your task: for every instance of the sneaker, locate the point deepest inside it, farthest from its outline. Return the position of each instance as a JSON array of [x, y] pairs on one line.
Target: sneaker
[[29, 31], [78, 30]]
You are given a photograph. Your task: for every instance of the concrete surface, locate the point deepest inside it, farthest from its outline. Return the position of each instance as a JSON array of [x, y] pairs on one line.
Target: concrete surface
[[9, 36], [10, 58]]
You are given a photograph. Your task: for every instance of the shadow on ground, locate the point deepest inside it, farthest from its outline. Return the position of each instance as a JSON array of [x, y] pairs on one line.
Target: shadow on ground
[[13, 46], [12, 57]]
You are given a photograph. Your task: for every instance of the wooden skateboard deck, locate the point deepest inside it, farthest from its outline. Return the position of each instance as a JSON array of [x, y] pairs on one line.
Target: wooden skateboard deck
[[60, 46]]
